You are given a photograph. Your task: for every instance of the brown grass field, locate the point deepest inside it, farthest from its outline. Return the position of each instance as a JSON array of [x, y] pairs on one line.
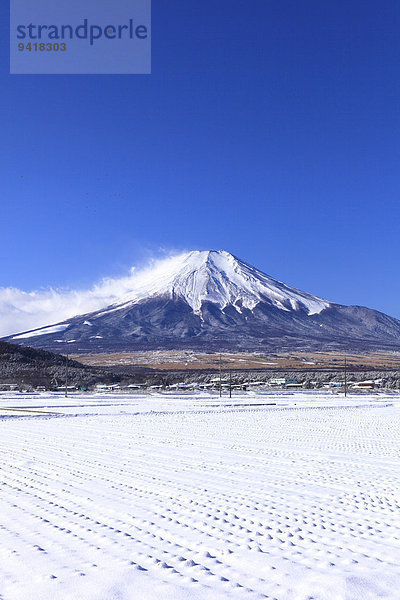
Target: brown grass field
[[178, 360]]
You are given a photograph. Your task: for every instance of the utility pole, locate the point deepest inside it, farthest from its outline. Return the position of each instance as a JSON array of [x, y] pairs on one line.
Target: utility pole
[[66, 376], [345, 376], [220, 377]]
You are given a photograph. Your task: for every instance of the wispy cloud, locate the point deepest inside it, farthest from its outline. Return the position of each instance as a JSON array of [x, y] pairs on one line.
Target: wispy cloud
[[22, 311]]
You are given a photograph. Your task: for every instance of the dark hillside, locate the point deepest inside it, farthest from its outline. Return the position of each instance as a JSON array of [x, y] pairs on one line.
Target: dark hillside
[[28, 366]]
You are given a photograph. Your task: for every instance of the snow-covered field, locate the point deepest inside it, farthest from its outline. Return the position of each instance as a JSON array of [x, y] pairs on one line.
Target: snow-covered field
[[189, 497]]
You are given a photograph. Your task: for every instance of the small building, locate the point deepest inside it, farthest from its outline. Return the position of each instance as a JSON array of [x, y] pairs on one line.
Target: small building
[[283, 381], [103, 387], [364, 385]]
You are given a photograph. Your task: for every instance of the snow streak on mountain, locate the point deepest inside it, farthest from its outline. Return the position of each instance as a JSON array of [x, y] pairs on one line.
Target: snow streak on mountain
[[210, 300], [220, 278]]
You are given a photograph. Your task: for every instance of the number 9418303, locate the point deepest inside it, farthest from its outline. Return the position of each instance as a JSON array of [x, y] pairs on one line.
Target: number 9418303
[[42, 47]]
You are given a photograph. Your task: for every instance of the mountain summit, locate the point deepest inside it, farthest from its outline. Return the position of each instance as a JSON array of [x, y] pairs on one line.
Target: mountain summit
[[221, 278], [211, 300]]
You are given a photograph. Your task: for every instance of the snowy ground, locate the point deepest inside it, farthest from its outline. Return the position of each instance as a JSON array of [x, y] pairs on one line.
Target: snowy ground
[[189, 497]]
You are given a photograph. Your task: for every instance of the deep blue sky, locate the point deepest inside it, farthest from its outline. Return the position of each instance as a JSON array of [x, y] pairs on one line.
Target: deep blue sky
[[269, 128]]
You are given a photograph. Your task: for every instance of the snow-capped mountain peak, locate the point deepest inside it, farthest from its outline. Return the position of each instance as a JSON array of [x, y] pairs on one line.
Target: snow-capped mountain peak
[[220, 278], [212, 301]]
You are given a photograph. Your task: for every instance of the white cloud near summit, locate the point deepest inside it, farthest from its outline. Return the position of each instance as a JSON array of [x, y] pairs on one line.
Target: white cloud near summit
[[22, 311]]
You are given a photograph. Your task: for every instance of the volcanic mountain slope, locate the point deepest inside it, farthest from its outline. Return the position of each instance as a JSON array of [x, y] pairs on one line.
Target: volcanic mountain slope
[[210, 301]]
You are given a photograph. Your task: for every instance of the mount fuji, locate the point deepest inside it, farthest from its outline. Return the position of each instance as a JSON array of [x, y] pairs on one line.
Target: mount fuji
[[212, 301]]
